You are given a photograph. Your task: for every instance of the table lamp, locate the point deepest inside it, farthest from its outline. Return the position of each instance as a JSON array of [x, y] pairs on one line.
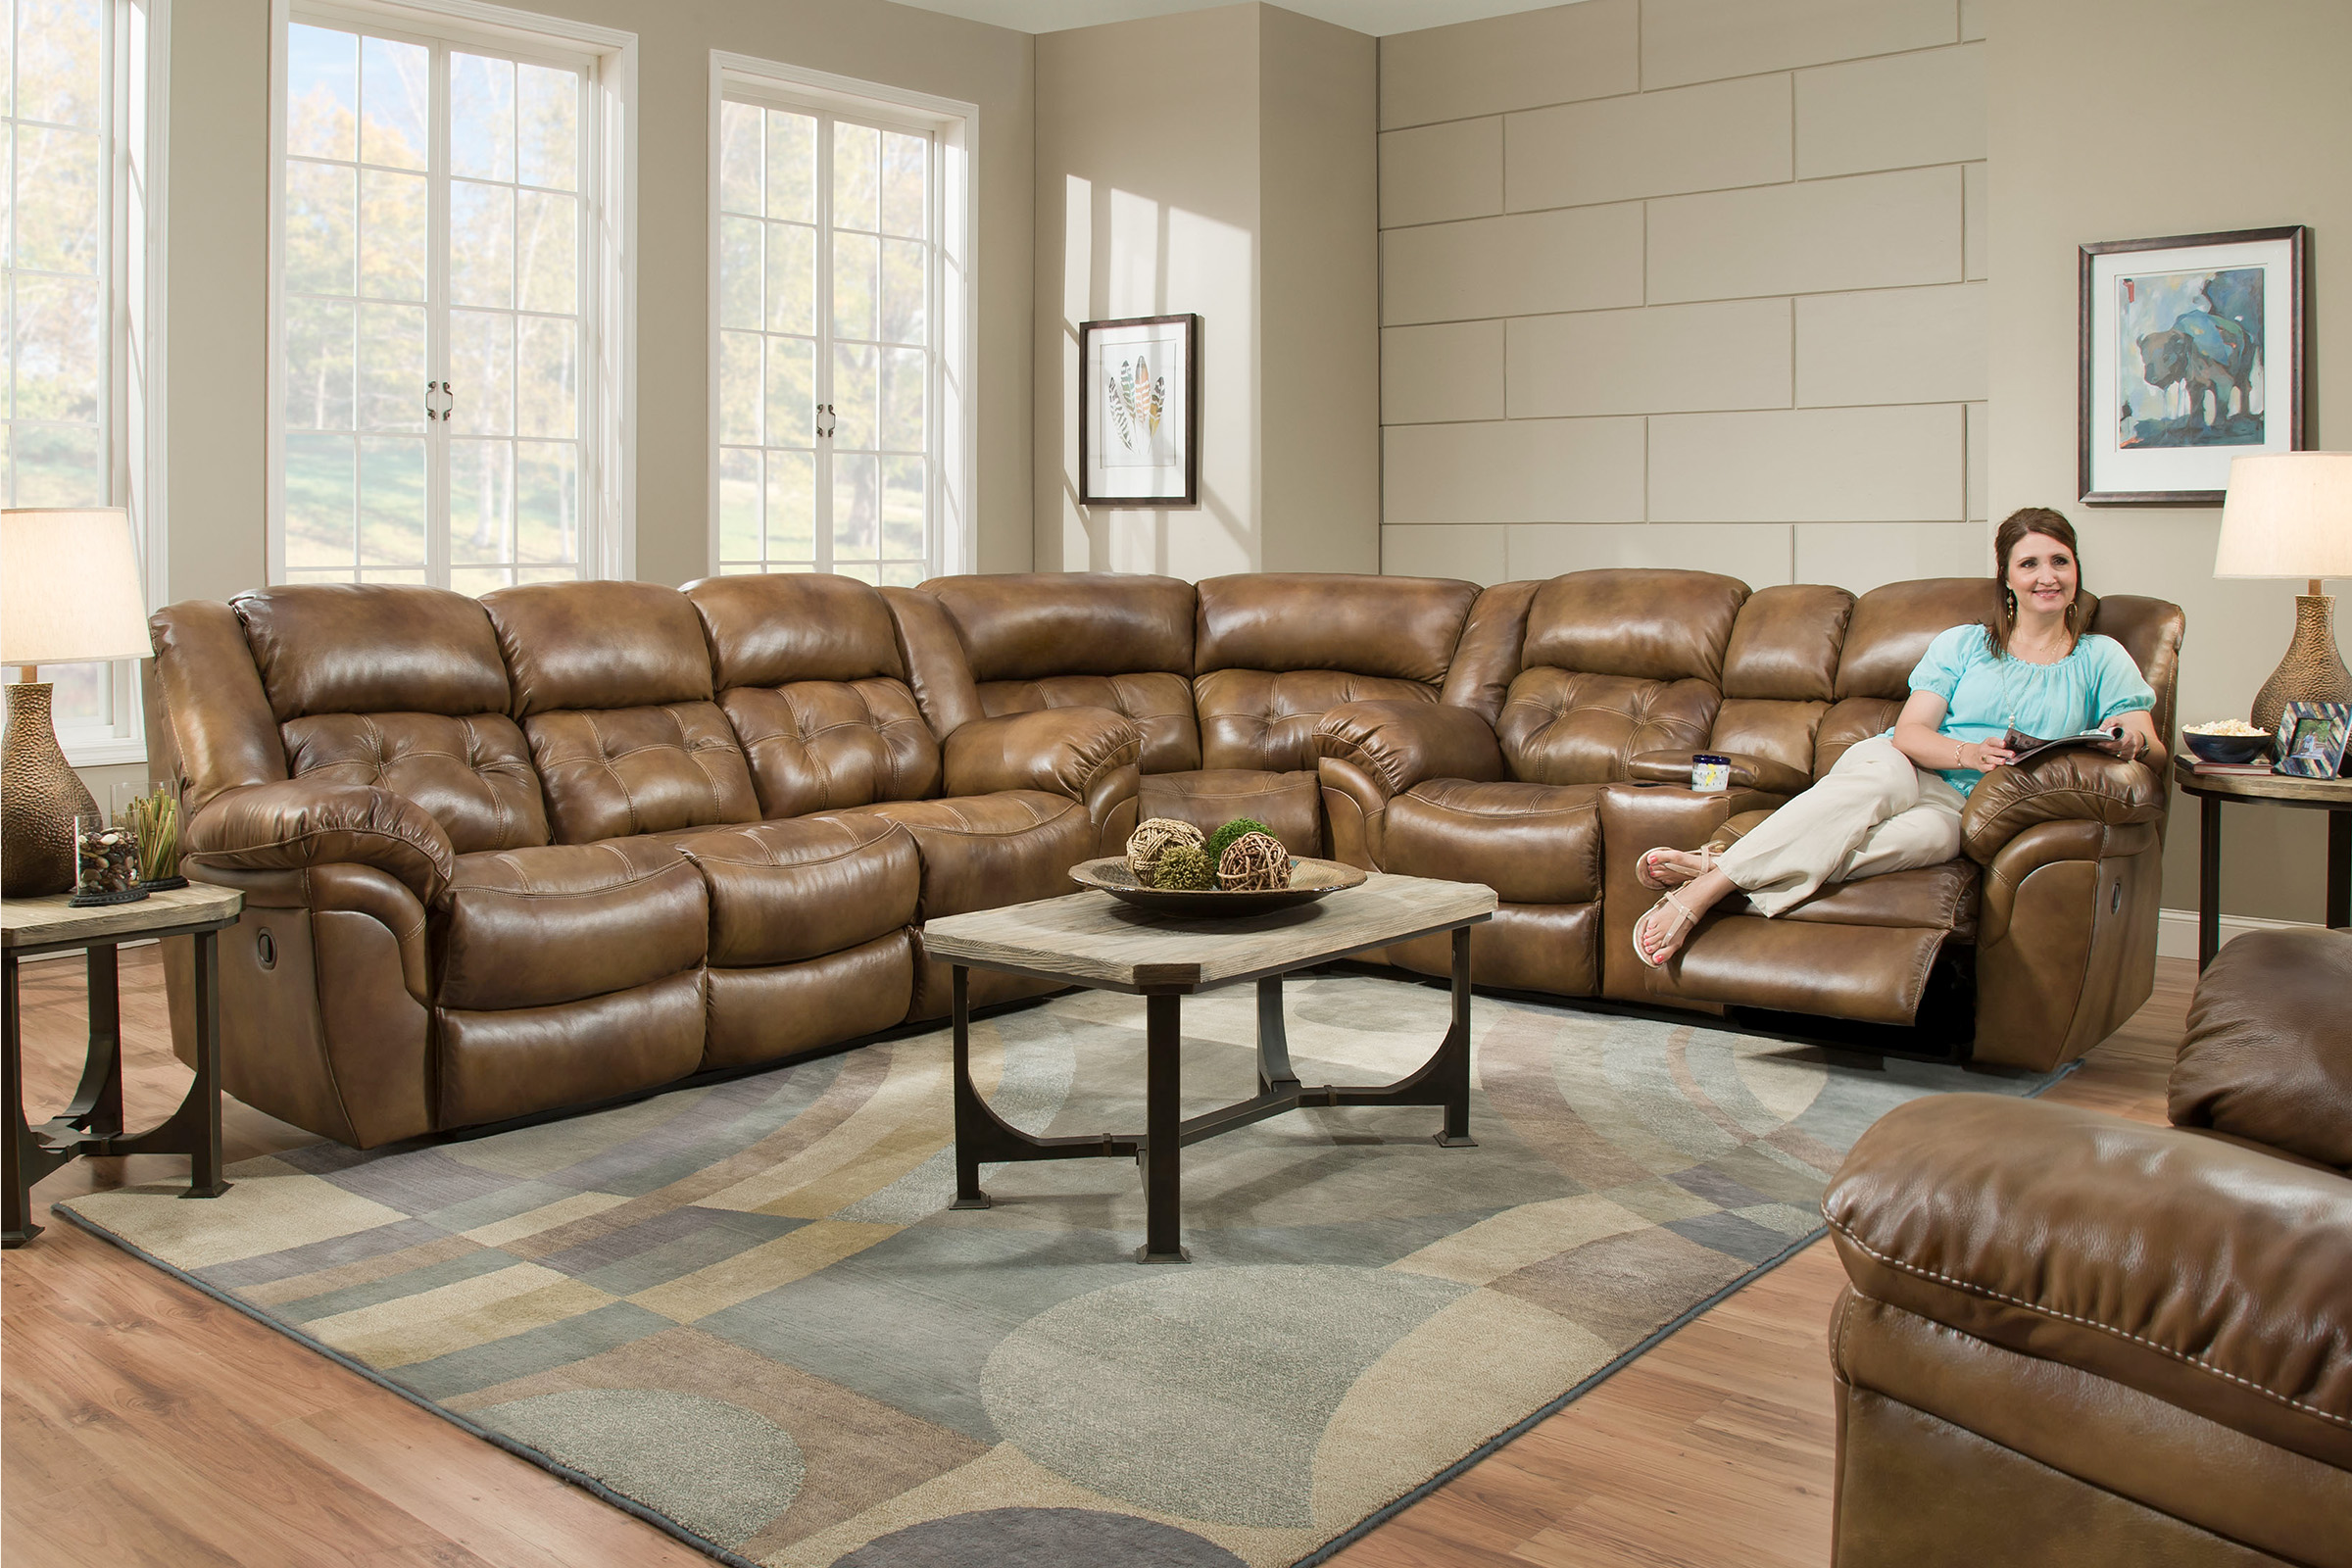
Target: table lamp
[[2289, 515], [69, 591]]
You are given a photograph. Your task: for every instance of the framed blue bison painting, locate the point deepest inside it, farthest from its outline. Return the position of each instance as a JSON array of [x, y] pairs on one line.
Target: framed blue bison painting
[[2192, 353]]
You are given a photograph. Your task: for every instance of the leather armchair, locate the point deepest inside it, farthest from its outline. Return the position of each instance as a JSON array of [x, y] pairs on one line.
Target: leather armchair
[[2071, 1338]]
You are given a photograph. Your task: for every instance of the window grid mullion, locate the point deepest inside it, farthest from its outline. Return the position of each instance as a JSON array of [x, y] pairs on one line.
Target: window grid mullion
[[821, 520], [436, 316]]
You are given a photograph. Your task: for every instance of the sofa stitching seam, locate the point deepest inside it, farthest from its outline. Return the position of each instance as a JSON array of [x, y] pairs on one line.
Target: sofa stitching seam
[[2182, 1356]]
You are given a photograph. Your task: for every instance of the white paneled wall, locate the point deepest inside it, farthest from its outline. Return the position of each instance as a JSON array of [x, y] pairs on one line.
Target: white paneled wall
[[1686, 283]]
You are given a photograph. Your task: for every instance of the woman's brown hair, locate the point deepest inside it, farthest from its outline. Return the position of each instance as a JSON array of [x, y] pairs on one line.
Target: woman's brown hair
[[2013, 529]]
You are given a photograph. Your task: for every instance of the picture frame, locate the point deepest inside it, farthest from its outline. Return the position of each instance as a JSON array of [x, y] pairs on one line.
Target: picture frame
[[2311, 739], [1139, 413], [2192, 350]]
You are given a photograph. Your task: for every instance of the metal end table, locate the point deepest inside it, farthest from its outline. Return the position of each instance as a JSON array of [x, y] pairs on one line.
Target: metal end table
[[93, 1123]]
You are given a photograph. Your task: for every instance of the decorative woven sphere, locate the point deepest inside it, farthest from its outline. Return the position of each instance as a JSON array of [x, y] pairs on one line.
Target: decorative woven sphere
[[1155, 838], [1253, 863], [1232, 830], [1182, 867]]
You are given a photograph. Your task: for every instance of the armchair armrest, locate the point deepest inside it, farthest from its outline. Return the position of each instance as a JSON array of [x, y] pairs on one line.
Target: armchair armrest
[[296, 823], [1747, 772], [1398, 745], [2212, 1276], [2082, 786], [1064, 750]]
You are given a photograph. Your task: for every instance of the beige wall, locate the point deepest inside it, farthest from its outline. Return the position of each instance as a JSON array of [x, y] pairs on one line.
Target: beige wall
[[2081, 155], [1686, 283], [219, 257], [1218, 161]]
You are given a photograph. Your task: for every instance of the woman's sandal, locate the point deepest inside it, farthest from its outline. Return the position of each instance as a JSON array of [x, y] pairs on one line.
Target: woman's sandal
[[1681, 920], [1648, 872]]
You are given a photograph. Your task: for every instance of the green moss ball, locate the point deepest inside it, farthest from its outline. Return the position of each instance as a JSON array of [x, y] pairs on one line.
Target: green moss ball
[[1182, 867], [1224, 836]]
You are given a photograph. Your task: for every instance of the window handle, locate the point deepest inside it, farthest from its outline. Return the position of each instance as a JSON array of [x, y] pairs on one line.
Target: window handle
[[824, 419], [438, 403]]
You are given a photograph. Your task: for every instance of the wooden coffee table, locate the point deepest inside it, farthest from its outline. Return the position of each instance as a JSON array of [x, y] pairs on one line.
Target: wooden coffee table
[[1091, 938]]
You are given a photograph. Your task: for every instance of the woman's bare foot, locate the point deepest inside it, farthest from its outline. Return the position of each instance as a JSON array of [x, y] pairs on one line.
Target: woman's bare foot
[[1661, 931], [1663, 869]]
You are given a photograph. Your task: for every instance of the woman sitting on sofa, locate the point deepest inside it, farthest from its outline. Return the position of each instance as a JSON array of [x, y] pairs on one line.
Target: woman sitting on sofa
[[1894, 801]]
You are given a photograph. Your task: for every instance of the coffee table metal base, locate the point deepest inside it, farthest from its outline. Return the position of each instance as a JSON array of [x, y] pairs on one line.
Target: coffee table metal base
[[981, 1135]]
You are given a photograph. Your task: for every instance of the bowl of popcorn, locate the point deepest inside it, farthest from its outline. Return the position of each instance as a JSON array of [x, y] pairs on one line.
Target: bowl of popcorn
[[2227, 740]]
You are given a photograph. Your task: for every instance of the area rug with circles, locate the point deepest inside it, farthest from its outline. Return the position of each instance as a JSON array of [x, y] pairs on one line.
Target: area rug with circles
[[746, 1312]]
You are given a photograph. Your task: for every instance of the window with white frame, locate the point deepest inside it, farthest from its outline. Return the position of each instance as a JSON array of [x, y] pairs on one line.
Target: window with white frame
[[837, 384], [445, 410], [79, 235]]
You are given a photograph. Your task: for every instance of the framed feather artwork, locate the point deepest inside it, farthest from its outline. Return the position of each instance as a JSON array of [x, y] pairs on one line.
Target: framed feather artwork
[[1139, 424]]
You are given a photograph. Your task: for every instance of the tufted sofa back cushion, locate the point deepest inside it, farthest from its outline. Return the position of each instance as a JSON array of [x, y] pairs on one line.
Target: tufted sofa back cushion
[[403, 688], [1780, 673], [612, 686], [1617, 663], [811, 676], [1081, 639], [1274, 652], [1890, 629]]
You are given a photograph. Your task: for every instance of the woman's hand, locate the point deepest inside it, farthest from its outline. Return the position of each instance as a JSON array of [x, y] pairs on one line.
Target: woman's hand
[[1985, 756]]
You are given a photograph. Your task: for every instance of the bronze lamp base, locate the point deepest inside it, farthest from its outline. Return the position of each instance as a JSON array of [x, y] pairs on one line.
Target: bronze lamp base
[[40, 794], [2312, 671]]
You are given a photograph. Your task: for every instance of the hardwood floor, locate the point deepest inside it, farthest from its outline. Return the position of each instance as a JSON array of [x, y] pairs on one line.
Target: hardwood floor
[[143, 1422]]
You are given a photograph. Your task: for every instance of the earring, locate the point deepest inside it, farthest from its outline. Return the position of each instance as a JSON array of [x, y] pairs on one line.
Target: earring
[[2009, 599], [2070, 614]]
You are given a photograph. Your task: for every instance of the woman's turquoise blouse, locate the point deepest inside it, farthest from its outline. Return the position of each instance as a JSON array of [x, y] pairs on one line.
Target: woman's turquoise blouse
[[1986, 695]]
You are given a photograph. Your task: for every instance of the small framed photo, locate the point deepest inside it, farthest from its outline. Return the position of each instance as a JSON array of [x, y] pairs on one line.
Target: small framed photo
[[1139, 417], [2191, 353], [2311, 739]]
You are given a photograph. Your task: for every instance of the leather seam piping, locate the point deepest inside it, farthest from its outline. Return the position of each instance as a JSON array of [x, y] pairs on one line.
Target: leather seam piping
[[2182, 1356]]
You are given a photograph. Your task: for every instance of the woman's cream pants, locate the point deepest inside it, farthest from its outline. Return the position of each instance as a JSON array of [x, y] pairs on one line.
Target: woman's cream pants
[[1875, 811]]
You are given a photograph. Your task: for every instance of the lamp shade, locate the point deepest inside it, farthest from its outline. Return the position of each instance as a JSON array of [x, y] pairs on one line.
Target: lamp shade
[[70, 587], [2287, 515]]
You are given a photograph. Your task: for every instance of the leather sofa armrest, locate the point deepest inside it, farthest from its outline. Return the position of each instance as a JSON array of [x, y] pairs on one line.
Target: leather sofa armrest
[[1747, 772], [1066, 751], [2268, 1056], [297, 823], [2082, 786], [1398, 745], [2209, 1275]]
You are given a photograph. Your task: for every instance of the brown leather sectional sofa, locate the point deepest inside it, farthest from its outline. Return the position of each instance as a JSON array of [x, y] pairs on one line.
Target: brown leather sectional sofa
[[573, 841], [2073, 1339]]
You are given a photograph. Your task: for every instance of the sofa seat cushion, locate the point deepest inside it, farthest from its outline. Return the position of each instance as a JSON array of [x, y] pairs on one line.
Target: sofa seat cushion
[[781, 892], [528, 928], [1932, 898], [1288, 803], [1531, 843], [981, 852]]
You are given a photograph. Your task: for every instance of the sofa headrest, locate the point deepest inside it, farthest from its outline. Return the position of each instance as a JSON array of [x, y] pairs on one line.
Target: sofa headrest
[[1028, 625], [598, 645], [779, 627], [372, 648], [1647, 622], [1402, 627], [1786, 642]]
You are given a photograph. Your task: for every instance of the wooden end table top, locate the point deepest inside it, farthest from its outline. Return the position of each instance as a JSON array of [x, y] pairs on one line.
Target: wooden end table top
[[47, 922], [1093, 939], [2286, 788]]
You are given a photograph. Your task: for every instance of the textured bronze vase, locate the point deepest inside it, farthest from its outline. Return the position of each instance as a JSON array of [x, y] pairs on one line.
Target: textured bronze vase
[[2312, 671], [39, 798]]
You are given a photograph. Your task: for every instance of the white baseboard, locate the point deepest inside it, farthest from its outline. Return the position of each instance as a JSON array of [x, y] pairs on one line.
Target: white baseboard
[[2176, 930]]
